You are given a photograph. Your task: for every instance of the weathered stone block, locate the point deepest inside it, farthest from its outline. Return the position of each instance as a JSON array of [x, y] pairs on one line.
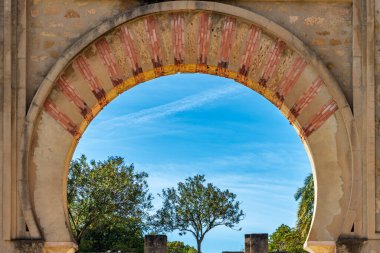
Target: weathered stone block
[[155, 244], [29, 246], [256, 243]]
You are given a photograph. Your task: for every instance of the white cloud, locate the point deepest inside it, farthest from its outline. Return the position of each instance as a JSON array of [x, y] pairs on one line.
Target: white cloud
[[255, 162], [161, 111]]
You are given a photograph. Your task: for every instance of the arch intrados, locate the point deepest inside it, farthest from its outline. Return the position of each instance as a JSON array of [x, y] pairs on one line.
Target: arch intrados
[[266, 25]]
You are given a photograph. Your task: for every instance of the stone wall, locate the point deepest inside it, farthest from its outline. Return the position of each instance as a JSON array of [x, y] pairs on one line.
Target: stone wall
[[377, 99], [325, 27]]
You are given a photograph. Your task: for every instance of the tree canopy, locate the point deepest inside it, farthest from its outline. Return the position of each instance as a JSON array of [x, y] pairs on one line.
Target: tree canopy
[[102, 196], [286, 239], [197, 207], [290, 239], [180, 247], [122, 234]]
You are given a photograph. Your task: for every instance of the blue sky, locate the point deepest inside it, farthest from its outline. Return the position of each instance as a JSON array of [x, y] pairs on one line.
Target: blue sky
[[177, 126]]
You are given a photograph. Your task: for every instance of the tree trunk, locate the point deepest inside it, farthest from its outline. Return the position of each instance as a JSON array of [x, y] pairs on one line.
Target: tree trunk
[[78, 241], [199, 242]]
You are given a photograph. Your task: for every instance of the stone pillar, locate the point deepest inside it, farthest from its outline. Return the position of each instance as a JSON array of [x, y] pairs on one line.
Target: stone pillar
[[256, 243], [155, 244]]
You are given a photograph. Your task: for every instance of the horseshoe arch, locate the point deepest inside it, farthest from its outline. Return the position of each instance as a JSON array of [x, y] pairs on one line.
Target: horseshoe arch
[[187, 37]]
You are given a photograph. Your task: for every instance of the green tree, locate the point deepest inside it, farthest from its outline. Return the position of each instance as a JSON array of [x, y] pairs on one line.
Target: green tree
[[123, 234], [104, 195], [292, 239], [305, 196], [180, 247], [286, 239], [197, 207]]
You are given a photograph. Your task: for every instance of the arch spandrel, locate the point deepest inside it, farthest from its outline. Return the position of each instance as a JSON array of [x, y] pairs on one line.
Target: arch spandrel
[[197, 39]]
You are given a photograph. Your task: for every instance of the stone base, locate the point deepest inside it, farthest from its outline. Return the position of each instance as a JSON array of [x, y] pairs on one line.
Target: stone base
[[60, 247], [320, 247], [39, 246]]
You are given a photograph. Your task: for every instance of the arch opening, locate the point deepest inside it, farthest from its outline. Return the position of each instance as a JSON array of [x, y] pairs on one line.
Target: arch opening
[[196, 105], [189, 37]]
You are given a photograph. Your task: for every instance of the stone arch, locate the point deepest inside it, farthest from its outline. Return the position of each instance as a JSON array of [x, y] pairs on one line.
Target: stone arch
[[187, 36]]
